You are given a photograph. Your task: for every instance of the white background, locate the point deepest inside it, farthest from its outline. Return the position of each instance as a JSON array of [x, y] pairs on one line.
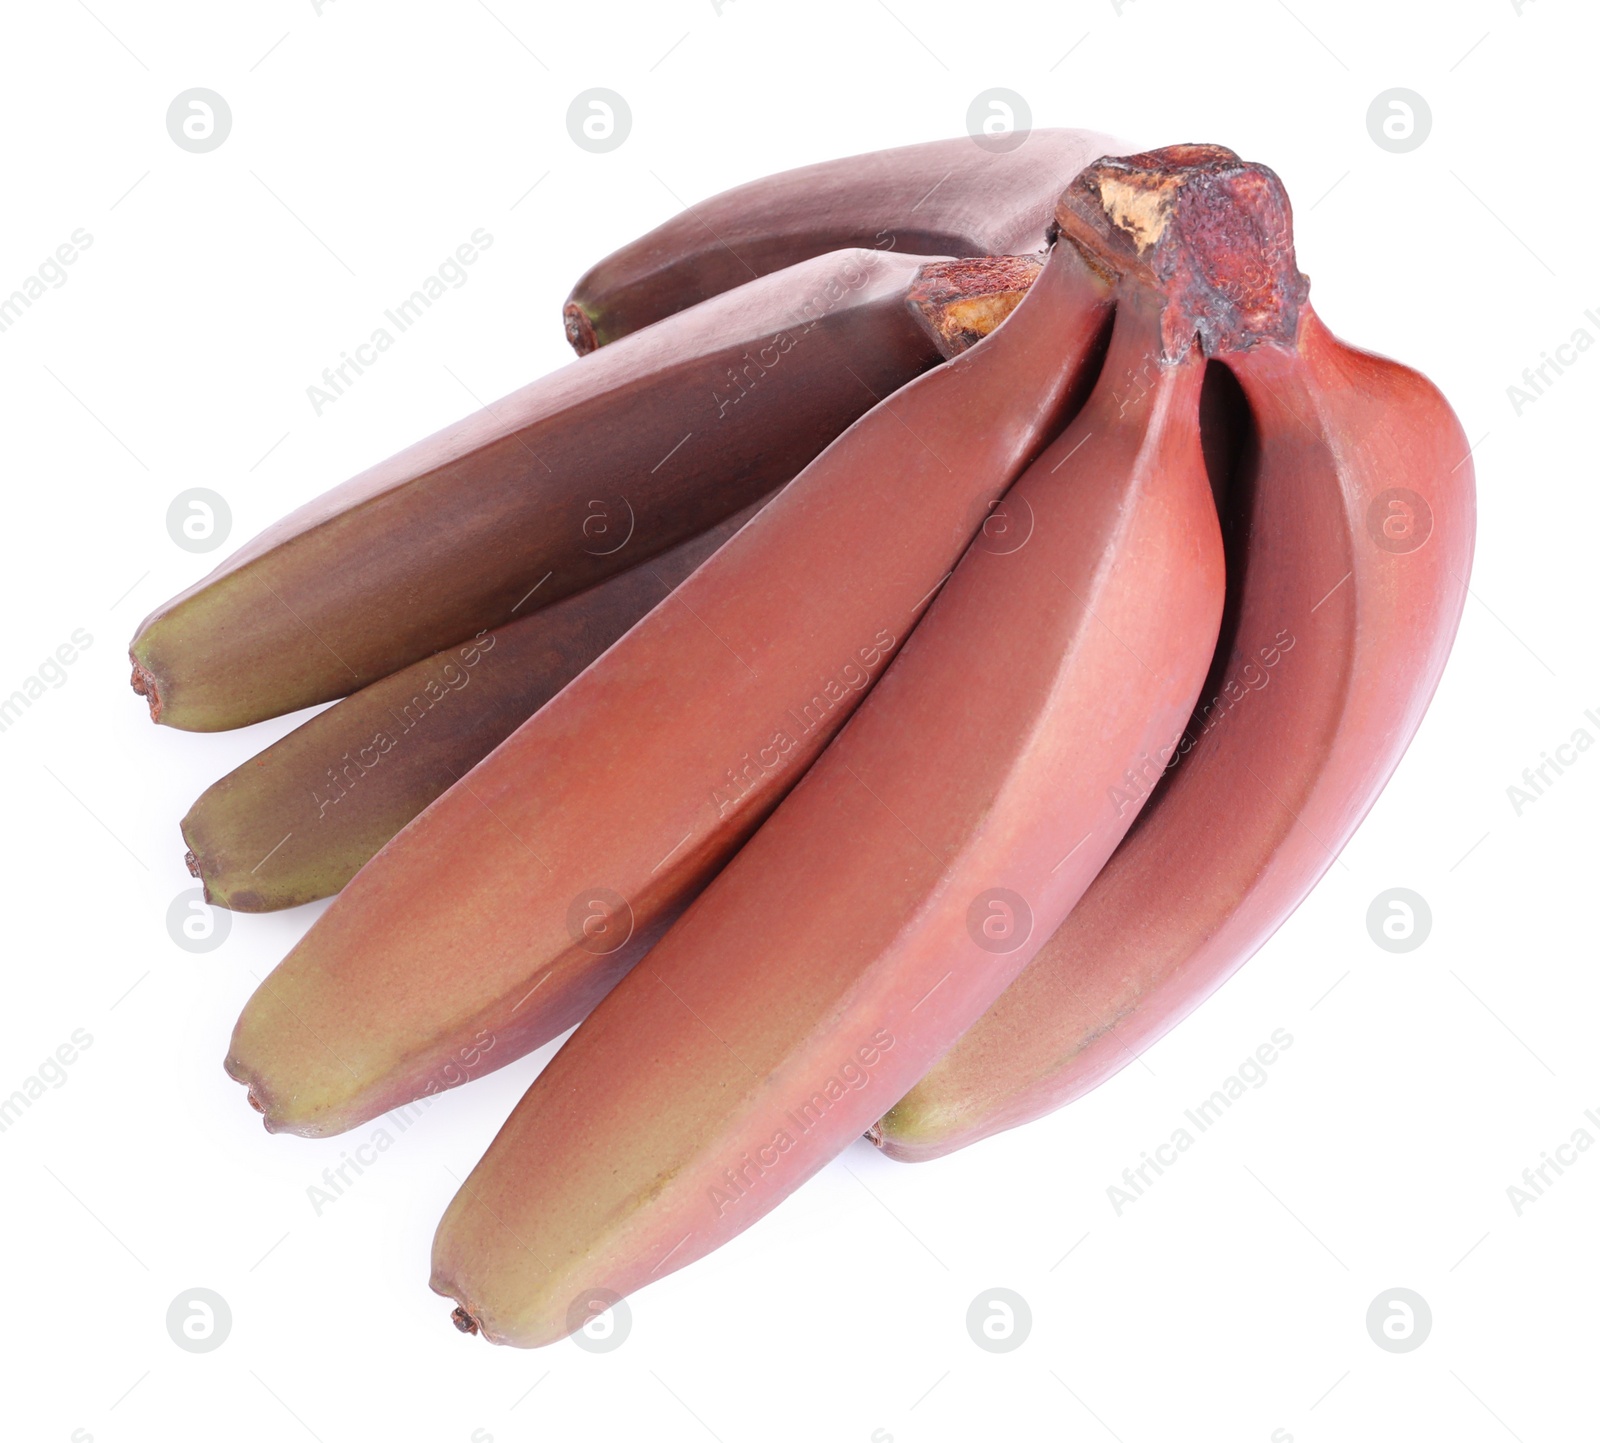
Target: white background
[[1230, 1301]]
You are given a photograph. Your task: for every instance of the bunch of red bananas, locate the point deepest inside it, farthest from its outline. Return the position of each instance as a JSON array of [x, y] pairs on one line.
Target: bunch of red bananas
[[867, 692]]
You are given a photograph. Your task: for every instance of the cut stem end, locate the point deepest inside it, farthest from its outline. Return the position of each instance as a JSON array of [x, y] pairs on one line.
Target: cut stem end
[[580, 329], [1213, 233], [144, 683]]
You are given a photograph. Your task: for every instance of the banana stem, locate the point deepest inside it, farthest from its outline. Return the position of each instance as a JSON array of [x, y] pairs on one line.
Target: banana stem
[[1213, 233]]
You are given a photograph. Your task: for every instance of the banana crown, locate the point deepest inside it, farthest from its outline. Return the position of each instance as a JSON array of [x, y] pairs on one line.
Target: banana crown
[[1213, 233]]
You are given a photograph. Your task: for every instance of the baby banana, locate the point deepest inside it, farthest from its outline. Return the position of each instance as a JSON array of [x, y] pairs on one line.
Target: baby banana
[[946, 197], [1356, 529], [579, 475], [519, 897]]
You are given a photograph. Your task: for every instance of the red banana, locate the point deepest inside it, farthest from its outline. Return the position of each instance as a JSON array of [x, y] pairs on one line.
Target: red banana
[[515, 901], [957, 197], [299, 821], [940, 838], [1355, 534], [581, 474]]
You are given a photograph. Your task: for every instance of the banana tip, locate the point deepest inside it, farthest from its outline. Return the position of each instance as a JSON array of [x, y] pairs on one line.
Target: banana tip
[[580, 329], [240, 1075], [144, 683]]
